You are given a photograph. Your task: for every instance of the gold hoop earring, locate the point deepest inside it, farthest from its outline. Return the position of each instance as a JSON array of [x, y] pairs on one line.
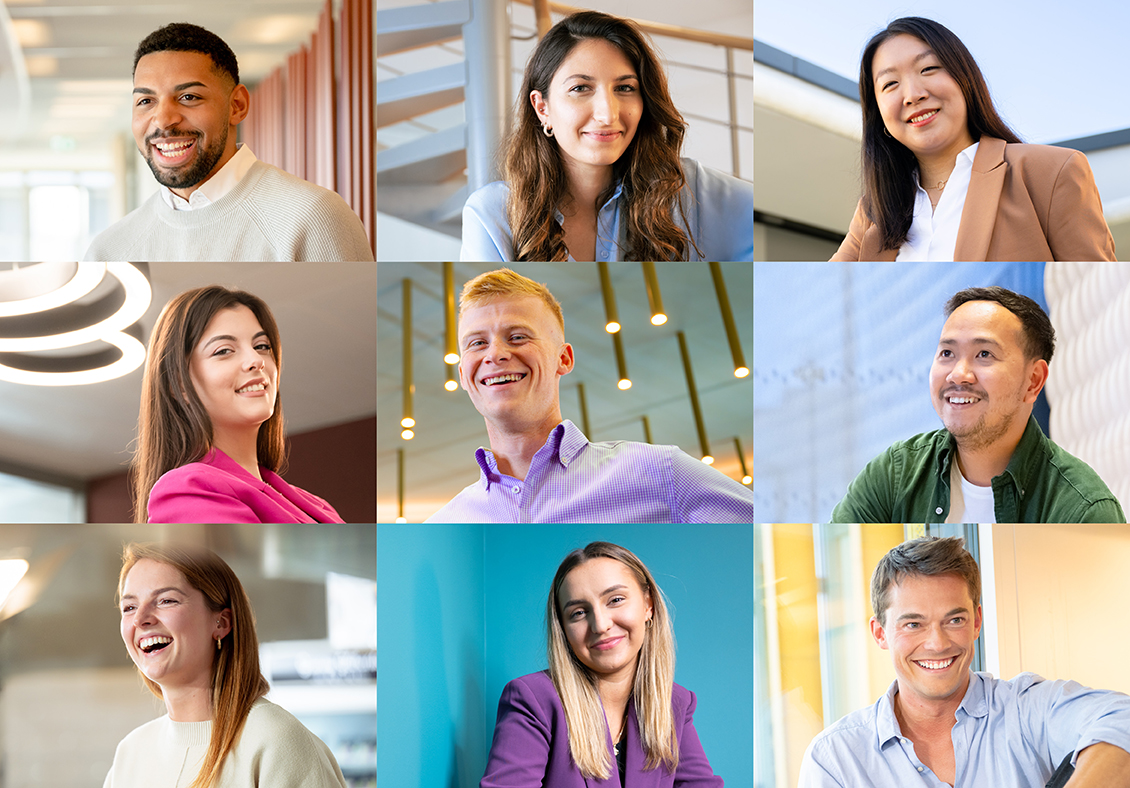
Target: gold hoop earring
[[547, 130], [218, 642], [648, 623]]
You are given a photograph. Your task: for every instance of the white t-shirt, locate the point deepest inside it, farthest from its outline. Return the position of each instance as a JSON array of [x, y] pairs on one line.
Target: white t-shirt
[[969, 503]]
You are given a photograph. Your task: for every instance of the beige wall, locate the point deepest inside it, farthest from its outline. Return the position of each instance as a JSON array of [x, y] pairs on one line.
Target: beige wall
[[1062, 594]]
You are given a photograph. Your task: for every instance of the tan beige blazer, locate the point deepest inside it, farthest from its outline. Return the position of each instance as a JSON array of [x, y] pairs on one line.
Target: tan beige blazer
[[1025, 202]]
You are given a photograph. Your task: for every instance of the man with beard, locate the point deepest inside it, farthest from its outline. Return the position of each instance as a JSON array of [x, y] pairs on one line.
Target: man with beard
[[991, 463], [217, 201]]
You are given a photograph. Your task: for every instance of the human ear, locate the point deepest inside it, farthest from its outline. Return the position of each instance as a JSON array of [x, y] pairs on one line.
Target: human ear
[[540, 106], [878, 633], [1037, 378], [223, 624], [565, 361], [240, 105]]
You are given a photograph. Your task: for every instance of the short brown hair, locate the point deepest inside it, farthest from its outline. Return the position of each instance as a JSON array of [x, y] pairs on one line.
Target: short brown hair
[[503, 283], [928, 557]]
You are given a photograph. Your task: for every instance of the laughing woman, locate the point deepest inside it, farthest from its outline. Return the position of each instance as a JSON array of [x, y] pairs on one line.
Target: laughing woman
[[592, 168], [187, 625], [608, 704], [944, 178], [210, 431]]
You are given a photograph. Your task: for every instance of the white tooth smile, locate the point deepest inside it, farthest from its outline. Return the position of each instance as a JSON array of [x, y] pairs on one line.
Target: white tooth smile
[[962, 400], [503, 378], [925, 116], [146, 644], [932, 664], [252, 387], [172, 146]]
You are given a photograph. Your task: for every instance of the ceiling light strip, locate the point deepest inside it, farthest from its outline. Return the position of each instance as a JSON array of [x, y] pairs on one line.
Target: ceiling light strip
[[451, 343], [611, 316], [746, 478], [133, 356], [138, 296], [400, 485], [654, 297], [584, 411], [407, 421], [87, 276], [740, 368], [703, 442]]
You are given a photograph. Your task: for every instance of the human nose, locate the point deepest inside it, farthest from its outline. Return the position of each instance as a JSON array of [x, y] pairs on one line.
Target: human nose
[[166, 114], [605, 106], [599, 621], [497, 351], [913, 91], [960, 372], [145, 614], [935, 641]]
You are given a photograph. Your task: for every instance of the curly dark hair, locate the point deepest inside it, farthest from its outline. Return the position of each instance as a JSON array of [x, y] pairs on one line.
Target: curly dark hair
[[185, 37]]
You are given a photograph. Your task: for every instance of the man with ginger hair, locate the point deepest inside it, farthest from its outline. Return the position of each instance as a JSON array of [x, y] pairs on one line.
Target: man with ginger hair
[[940, 723], [541, 468]]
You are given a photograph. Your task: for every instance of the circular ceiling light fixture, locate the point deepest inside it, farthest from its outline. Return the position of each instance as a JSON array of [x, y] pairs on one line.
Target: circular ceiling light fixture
[[56, 306]]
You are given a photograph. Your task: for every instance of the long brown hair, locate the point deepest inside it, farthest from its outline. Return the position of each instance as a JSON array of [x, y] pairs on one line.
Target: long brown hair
[[173, 427], [888, 165], [236, 679], [649, 169], [576, 684]]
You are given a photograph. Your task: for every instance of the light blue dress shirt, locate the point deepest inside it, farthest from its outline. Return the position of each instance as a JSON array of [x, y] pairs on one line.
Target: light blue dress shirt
[[574, 481], [1007, 734], [719, 210]]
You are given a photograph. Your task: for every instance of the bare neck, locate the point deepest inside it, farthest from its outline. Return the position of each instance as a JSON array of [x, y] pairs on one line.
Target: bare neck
[[615, 693], [586, 183], [242, 447], [514, 447], [928, 719], [191, 703]]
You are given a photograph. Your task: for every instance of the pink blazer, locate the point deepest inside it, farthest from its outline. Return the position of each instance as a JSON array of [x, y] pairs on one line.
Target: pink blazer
[[218, 490]]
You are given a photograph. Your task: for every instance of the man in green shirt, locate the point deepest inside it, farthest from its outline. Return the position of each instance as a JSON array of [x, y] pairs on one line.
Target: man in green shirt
[[991, 463]]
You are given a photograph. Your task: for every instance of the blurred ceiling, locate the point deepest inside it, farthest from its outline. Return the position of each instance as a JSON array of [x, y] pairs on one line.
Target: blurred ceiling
[[440, 459], [79, 59], [325, 316]]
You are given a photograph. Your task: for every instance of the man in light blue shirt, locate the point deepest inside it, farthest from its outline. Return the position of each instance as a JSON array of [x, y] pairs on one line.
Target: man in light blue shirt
[[541, 468], [940, 724]]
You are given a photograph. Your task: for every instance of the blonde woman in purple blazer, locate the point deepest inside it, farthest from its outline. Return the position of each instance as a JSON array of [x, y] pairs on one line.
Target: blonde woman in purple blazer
[[210, 432], [607, 712]]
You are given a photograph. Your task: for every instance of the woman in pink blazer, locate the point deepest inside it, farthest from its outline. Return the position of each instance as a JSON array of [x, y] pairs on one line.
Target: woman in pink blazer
[[929, 194], [210, 432], [607, 712]]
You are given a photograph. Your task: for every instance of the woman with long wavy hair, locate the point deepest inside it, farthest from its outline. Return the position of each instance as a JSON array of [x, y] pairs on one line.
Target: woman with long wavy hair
[[608, 701], [187, 625], [945, 178], [210, 444], [592, 168]]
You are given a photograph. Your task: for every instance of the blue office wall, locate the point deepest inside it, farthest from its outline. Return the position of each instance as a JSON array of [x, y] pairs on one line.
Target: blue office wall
[[841, 362], [706, 571], [430, 656]]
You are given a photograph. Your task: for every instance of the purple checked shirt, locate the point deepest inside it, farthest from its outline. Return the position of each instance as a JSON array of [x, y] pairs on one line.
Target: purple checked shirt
[[574, 481]]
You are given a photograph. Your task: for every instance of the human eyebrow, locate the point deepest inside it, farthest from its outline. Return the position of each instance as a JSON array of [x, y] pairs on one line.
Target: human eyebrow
[[888, 69], [593, 79], [230, 338], [605, 592], [158, 592], [975, 341]]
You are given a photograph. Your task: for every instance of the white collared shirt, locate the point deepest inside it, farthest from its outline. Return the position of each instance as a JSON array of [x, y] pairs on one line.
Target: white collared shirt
[[933, 233], [215, 187]]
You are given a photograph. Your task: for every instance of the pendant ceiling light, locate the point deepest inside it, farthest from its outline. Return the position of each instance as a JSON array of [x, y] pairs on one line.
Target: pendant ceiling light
[[46, 308]]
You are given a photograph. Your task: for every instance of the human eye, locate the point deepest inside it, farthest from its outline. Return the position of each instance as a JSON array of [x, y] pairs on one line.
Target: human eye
[[627, 88], [984, 354], [127, 608], [617, 599], [578, 88], [959, 620], [190, 97], [223, 351], [518, 337], [577, 614], [889, 84], [263, 346], [911, 625], [944, 353]]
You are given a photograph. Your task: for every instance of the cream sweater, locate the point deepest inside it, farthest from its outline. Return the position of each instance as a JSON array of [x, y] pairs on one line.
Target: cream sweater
[[274, 751], [269, 215]]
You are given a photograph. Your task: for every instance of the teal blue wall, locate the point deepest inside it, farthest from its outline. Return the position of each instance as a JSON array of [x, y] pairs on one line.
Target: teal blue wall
[[430, 658], [467, 603]]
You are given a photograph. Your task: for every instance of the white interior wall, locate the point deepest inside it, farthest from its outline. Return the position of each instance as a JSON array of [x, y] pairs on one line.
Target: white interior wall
[[1060, 592]]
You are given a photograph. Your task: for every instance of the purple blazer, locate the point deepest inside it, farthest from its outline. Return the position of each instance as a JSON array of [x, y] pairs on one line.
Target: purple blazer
[[531, 744], [218, 490]]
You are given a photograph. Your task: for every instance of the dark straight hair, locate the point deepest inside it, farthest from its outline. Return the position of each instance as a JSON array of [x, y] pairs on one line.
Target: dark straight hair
[[888, 165], [1039, 334]]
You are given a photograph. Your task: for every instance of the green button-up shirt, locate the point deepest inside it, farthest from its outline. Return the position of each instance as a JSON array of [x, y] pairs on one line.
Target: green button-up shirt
[[910, 483]]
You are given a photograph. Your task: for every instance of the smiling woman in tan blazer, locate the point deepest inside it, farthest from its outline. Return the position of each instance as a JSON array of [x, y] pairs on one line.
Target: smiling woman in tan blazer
[[925, 103]]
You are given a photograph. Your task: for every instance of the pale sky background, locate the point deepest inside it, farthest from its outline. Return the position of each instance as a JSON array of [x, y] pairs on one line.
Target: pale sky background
[[1056, 70]]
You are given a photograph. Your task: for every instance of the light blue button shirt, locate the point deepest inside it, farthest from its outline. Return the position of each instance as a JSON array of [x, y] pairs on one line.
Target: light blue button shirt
[[1007, 734], [718, 207]]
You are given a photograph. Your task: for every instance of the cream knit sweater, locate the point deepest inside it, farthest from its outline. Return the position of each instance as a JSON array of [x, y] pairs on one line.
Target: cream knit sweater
[[269, 215], [274, 751]]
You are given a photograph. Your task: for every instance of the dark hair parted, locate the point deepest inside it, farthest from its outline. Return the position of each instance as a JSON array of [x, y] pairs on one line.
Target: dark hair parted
[[928, 557], [236, 680], [173, 427], [183, 37], [888, 165], [649, 169], [1039, 335]]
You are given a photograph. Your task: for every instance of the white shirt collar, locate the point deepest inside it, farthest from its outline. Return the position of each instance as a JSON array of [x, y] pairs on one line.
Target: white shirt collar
[[933, 231], [215, 187]]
